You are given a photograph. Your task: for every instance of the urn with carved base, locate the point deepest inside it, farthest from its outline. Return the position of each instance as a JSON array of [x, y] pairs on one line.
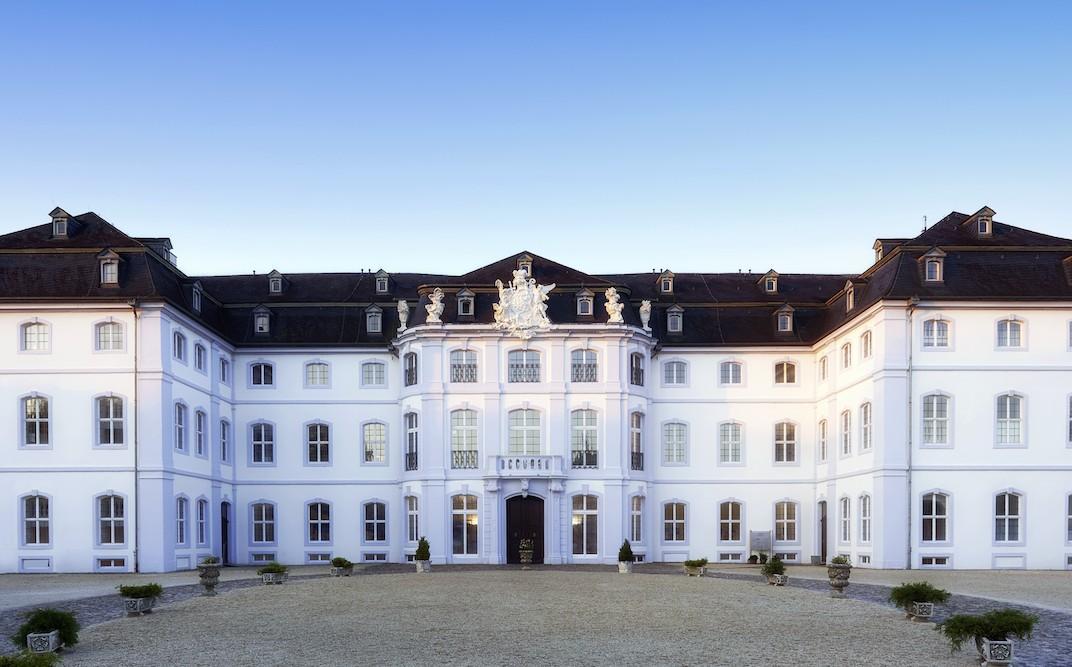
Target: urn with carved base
[[777, 579], [839, 579], [210, 577], [625, 567], [342, 571], [273, 578], [138, 606], [921, 611], [995, 652], [43, 642], [423, 565]]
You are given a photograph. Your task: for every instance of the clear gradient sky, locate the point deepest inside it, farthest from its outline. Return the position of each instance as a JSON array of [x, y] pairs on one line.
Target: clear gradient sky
[[612, 136]]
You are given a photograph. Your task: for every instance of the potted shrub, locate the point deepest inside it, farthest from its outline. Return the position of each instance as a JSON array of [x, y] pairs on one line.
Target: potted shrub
[[423, 556], [209, 572], [340, 567], [625, 558], [47, 630], [762, 559], [774, 571], [838, 571], [525, 549], [140, 599], [918, 599], [695, 567], [273, 573], [990, 632], [753, 559]]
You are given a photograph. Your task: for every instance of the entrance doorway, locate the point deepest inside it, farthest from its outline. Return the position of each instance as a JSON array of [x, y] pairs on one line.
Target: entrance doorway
[[524, 518], [225, 533], [822, 531]]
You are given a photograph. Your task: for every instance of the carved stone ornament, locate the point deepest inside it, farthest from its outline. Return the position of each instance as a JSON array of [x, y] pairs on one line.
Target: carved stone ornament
[[403, 314], [645, 314], [614, 307], [522, 307], [435, 308]]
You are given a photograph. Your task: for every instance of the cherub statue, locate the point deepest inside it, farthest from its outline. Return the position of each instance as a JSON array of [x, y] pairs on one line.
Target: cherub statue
[[645, 314], [403, 314], [435, 308], [614, 306]]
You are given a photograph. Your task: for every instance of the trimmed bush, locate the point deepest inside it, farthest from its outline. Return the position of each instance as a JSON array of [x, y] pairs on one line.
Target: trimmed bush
[[840, 560], [696, 562], [141, 591], [272, 568], [210, 560], [47, 620], [753, 559], [339, 561], [997, 625], [625, 552], [919, 591], [773, 566], [424, 551], [26, 659], [762, 559]]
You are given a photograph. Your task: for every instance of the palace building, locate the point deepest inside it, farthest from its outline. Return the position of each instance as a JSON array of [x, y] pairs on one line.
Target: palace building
[[917, 414]]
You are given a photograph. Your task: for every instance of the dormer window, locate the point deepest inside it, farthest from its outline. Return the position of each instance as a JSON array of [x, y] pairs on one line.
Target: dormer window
[[585, 303], [466, 303], [770, 282], [666, 282], [934, 266], [934, 270], [261, 321], [850, 297], [109, 268], [195, 299], [374, 319], [984, 225], [675, 319], [524, 263], [60, 223], [275, 282], [784, 319], [382, 278]]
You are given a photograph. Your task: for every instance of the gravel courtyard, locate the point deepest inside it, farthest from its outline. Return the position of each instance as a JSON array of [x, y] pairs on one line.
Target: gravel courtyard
[[516, 617]]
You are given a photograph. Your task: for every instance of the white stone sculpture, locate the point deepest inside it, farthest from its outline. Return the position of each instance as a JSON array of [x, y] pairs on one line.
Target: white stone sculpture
[[403, 314], [614, 307], [522, 306], [645, 314], [435, 308]]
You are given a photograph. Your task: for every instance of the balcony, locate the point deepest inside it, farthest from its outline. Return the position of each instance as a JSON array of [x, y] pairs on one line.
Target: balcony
[[526, 465], [523, 372], [636, 460], [583, 372], [461, 460], [411, 460], [586, 458]]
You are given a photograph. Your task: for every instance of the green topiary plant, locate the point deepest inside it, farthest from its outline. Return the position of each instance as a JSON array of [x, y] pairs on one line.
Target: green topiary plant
[[919, 591], [625, 552], [840, 560], [26, 659], [272, 568], [210, 560], [696, 562], [424, 551], [141, 591], [47, 620], [339, 561], [773, 566], [996, 625]]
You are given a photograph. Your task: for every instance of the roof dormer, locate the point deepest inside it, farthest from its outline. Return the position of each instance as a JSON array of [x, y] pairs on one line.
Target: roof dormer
[[850, 296], [262, 321], [585, 303], [666, 282], [109, 267], [783, 319], [276, 282], [196, 296], [675, 319], [769, 282], [981, 223], [383, 282], [466, 303], [524, 263], [933, 264], [61, 223]]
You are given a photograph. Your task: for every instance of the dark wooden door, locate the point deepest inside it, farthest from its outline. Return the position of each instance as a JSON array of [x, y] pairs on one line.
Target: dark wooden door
[[822, 530], [524, 518], [225, 533]]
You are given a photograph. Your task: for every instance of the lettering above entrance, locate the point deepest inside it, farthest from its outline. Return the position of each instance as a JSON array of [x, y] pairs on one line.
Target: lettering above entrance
[[522, 307], [526, 466]]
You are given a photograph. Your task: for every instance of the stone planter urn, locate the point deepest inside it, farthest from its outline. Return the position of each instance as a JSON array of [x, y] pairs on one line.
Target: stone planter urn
[[209, 573], [778, 579], [695, 571], [273, 578], [138, 606], [995, 652], [839, 579], [423, 565], [525, 551], [43, 642], [922, 611], [625, 567], [342, 571]]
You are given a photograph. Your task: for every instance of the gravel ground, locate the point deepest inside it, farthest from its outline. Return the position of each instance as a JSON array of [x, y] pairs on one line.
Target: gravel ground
[[511, 617]]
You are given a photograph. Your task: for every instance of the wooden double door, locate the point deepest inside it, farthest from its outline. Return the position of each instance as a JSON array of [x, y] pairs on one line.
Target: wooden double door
[[524, 518]]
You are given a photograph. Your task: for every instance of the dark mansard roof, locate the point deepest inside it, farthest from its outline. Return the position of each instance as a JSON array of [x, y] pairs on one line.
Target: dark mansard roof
[[328, 309]]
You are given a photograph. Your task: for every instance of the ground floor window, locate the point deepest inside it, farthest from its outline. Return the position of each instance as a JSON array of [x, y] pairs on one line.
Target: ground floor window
[[413, 527], [375, 522], [636, 519], [674, 522], [465, 524], [585, 525]]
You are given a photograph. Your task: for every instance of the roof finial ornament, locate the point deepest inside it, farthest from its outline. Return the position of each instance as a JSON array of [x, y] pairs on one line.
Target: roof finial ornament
[[435, 308], [614, 307]]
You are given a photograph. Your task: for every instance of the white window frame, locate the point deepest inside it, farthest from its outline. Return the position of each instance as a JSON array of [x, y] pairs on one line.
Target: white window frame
[[726, 373], [1003, 426], [524, 431], [931, 422], [935, 340], [865, 503], [935, 519], [413, 519], [731, 448], [41, 340], [108, 336], [728, 522], [671, 377], [1007, 336], [867, 431], [845, 445], [786, 443], [469, 514], [1004, 518], [374, 443], [844, 535], [316, 374], [368, 368], [581, 517], [787, 368], [823, 434]]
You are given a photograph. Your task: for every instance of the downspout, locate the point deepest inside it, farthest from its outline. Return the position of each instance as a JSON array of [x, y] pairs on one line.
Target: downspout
[[912, 303], [137, 524]]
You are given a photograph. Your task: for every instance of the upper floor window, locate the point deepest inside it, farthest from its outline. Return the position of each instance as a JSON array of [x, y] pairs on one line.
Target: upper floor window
[[178, 346], [1010, 420], [262, 374], [730, 446], [34, 337], [666, 283], [317, 374], [865, 427], [466, 303], [225, 440], [275, 285], [1010, 333], [584, 303], [675, 443], [381, 284], [770, 283], [374, 319], [111, 520], [785, 442], [195, 300], [109, 336], [935, 419], [463, 366], [865, 345], [36, 521], [729, 372], [933, 270], [636, 369], [846, 433], [935, 517], [318, 443], [180, 427], [319, 522], [729, 521], [261, 322], [110, 421], [225, 371], [675, 373], [262, 443], [200, 357], [674, 522], [409, 369], [823, 368], [109, 272], [523, 366], [935, 333], [822, 439], [524, 431], [675, 319], [846, 355], [636, 440], [785, 372], [785, 322], [1007, 517], [463, 439], [373, 374], [584, 442], [374, 436], [785, 521], [984, 225], [412, 439], [583, 366], [850, 298], [35, 422]]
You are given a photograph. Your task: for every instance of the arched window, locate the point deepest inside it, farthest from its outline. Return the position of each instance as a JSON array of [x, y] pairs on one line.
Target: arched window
[[202, 521], [823, 368], [108, 336], [674, 522], [36, 526], [109, 421], [785, 322], [524, 432], [263, 523], [865, 427], [200, 428], [36, 421], [319, 522], [729, 521], [111, 520], [409, 369], [936, 333], [375, 522], [865, 519], [850, 299], [730, 448], [200, 357], [845, 529], [181, 516], [463, 366], [465, 523], [262, 374], [375, 442], [180, 427], [373, 374], [263, 443], [675, 443], [1010, 333], [785, 521], [1007, 517], [675, 373], [729, 372], [636, 441], [463, 439], [585, 525], [413, 520], [636, 369], [846, 433], [318, 443], [178, 346], [374, 319], [935, 517], [225, 440], [317, 374], [846, 355], [934, 270], [1010, 419], [865, 345], [785, 372], [675, 319], [636, 519], [822, 439], [412, 439], [935, 419], [584, 442], [523, 366], [34, 337], [583, 367]]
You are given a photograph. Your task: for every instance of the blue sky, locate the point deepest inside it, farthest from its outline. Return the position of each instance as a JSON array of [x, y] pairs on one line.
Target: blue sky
[[611, 136]]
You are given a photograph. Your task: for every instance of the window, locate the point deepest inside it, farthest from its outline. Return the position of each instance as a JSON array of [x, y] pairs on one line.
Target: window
[[675, 373], [785, 372], [524, 431], [200, 420], [865, 345], [316, 374], [865, 519], [178, 346], [846, 433], [413, 520], [666, 285], [934, 270], [111, 520], [374, 320], [464, 524], [35, 521], [199, 357], [845, 530], [982, 225], [785, 521], [935, 419], [822, 439], [261, 323], [35, 422], [729, 521], [373, 374], [636, 441], [1010, 333], [934, 561], [195, 300], [729, 372], [409, 369], [466, 303], [381, 284], [35, 337], [180, 427], [1007, 517], [935, 333], [263, 443], [846, 355], [785, 442], [583, 366], [463, 443], [583, 439], [412, 440], [675, 443], [823, 369], [785, 322], [523, 366], [275, 285], [318, 443], [865, 427], [729, 443], [262, 374], [225, 371], [263, 523], [1068, 535], [850, 299], [181, 505], [636, 519], [636, 369], [109, 336], [674, 522], [319, 522], [770, 284], [1010, 420], [375, 522], [585, 525], [674, 319], [202, 521], [584, 304], [109, 272], [225, 440], [375, 439], [935, 517], [463, 366]]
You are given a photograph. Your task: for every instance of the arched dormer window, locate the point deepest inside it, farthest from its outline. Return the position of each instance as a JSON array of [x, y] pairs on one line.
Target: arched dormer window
[[524, 263], [374, 319], [666, 282], [675, 319], [275, 282], [585, 300], [784, 319], [769, 281], [382, 282], [195, 297], [466, 303], [933, 266], [850, 297], [261, 321], [109, 268]]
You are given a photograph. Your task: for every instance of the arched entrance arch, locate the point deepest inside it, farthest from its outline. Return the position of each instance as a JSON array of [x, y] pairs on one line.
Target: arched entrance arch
[[524, 518]]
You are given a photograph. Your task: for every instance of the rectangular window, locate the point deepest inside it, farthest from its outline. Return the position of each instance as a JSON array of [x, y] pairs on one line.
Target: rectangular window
[[263, 443], [785, 522], [318, 443], [636, 520], [225, 371], [36, 519], [375, 438], [1010, 420], [636, 369], [463, 439], [935, 419], [409, 369], [319, 522], [109, 337], [413, 526], [583, 366], [674, 522], [729, 522], [316, 374], [262, 375], [730, 372], [822, 440], [225, 440], [585, 521], [675, 373], [675, 443], [936, 333], [412, 440], [729, 443], [373, 373], [785, 443], [199, 357], [180, 427], [111, 520], [110, 421], [35, 421], [464, 525], [263, 525], [865, 427], [199, 432], [785, 372], [846, 433], [935, 517], [584, 445], [636, 441]]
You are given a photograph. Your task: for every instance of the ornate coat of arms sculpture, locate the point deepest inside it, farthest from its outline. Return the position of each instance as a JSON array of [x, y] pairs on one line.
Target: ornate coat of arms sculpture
[[522, 306]]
